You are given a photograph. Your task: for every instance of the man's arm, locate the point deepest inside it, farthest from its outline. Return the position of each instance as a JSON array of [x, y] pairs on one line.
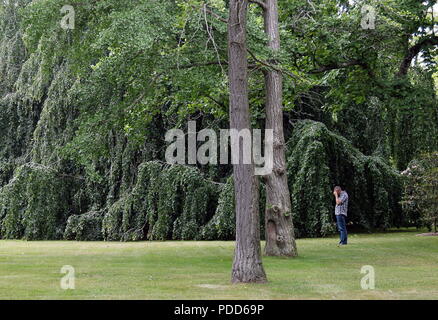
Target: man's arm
[[338, 199]]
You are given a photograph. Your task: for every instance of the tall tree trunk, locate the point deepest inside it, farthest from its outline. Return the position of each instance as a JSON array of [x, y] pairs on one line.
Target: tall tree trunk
[[247, 266], [280, 237]]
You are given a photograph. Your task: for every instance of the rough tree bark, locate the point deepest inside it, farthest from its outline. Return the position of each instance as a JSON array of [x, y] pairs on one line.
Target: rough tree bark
[[247, 265], [280, 237]]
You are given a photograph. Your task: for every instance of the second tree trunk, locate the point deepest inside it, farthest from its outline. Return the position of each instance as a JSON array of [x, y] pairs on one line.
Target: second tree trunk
[[280, 237]]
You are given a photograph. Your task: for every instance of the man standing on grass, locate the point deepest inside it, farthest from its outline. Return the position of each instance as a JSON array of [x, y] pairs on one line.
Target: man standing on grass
[[341, 213]]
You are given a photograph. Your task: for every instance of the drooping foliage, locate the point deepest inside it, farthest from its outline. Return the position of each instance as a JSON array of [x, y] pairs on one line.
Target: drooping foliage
[[84, 227], [165, 203], [35, 204], [223, 224], [318, 160]]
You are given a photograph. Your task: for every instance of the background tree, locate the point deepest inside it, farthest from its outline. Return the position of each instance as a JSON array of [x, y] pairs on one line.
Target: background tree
[[421, 191]]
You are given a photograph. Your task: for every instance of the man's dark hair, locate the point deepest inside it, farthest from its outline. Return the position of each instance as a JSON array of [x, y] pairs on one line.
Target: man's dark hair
[[338, 188]]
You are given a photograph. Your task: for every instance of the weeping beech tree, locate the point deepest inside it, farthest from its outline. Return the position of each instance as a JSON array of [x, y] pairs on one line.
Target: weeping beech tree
[[280, 238], [247, 265]]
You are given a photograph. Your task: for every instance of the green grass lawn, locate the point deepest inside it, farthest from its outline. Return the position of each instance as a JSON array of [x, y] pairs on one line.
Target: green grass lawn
[[406, 267]]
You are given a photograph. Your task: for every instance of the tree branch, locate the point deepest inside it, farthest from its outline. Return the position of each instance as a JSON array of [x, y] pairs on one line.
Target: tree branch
[[413, 52], [341, 65], [273, 67], [201, 64], [207, 64], [354, 62], [214, 14], [259, 2]]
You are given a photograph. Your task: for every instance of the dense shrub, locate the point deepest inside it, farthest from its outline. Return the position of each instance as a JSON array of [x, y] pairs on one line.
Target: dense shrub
[[223, 224], [84, 227], [167, 202], [6, 171], [420, 197], [33, 205]]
